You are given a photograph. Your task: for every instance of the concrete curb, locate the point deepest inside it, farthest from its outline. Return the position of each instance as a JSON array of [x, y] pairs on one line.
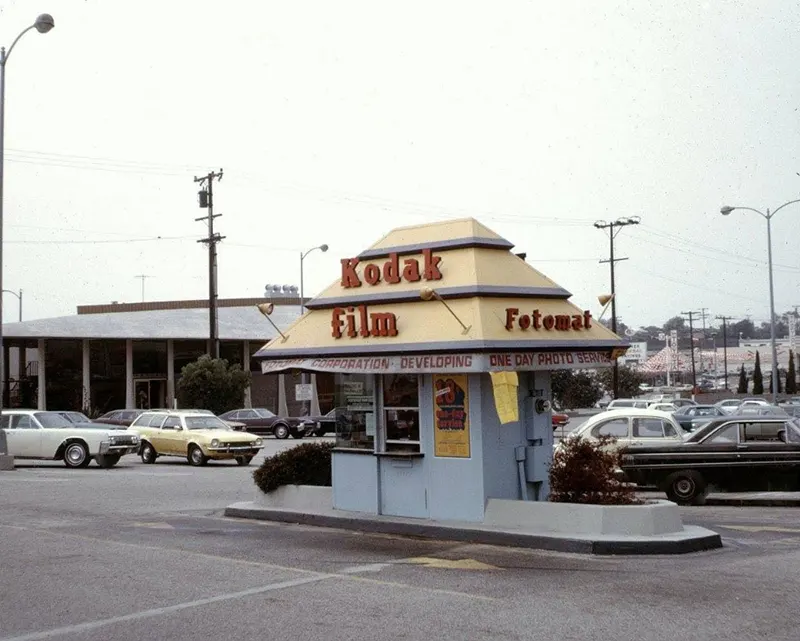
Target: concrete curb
[[754, 501], [693, 539]]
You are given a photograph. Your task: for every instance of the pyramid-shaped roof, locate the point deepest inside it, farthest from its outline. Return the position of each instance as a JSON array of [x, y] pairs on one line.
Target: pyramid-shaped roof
[[451, 287]]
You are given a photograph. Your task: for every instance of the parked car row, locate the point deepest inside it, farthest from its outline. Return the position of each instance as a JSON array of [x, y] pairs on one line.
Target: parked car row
[[684, 453]]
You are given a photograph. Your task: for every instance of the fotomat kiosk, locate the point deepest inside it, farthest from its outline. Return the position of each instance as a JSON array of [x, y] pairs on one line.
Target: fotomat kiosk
[[441, 342]]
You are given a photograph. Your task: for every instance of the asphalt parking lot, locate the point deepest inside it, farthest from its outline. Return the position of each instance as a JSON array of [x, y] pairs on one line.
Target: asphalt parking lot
[[142, 552]]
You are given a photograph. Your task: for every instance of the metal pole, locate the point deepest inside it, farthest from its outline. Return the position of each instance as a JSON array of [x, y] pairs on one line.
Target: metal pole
[[615, 373], [772, 313], [725, 349], [2, 173], [303, 374], [20, 305]]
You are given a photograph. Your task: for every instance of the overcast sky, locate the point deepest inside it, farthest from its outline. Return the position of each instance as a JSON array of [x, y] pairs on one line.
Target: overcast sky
[[337, 121]]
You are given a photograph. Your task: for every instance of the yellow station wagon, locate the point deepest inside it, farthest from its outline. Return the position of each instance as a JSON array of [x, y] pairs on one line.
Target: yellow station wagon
[[198, 437]]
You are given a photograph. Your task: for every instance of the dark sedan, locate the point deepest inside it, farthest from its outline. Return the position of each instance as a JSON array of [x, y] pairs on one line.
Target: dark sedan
[[259, 420], [690, 417], [735, 453]]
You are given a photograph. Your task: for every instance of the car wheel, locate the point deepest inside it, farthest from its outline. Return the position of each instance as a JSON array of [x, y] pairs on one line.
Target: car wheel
[[107, 461], [298, 435], [686, 488], [196, 456], [76, 455], [148, 453], [281, 431], [243, 460]]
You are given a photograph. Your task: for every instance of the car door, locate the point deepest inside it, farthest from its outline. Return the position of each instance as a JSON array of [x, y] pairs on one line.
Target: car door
[[252, 420], [154, 434], [171, 437], [26, 437]]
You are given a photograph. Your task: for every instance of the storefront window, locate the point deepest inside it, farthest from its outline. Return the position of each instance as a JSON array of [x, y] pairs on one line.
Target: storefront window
[[354, 414], [401, 412]]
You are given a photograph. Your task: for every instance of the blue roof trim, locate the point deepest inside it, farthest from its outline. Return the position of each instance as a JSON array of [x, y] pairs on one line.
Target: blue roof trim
[[403, 349], [453, 243], [466, 291]]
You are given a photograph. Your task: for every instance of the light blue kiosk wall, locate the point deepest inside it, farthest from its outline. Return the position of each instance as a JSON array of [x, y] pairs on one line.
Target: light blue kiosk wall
[[456, 489]]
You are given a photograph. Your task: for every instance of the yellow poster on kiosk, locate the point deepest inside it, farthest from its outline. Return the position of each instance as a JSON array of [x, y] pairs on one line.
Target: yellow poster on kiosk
[[450, 416]]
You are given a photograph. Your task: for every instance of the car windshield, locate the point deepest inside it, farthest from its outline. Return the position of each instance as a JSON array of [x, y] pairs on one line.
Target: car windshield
[[205, 423], [76, 417], [52, 420], [264, 413]]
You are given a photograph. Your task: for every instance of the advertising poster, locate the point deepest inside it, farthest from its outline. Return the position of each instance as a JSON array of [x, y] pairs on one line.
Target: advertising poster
[[451, 416]]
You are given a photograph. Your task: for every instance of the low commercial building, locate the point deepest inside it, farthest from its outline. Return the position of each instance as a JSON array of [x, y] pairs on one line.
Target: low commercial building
[[130, 355]]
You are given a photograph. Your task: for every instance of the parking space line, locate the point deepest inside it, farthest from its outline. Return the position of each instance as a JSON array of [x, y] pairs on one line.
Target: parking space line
[[169, 609]]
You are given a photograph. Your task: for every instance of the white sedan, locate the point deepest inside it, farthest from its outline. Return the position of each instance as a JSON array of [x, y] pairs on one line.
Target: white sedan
[[50, 436], [632, 427]]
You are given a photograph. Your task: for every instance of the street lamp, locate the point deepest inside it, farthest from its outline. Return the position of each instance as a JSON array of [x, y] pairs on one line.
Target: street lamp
[[43, 24], [19, 298], [303, 255], [304, 376], [725, 211]]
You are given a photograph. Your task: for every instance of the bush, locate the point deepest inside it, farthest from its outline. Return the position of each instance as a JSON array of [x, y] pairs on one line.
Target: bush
[[586, 471], [306, 464], [211, 384]]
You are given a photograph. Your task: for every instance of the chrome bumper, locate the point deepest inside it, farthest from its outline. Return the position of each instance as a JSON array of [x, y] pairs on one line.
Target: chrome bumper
[[108, 448]]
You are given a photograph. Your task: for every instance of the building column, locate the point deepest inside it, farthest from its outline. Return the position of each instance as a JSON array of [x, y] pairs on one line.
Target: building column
[[42, 402], [130, 402], [282, 405], [315, 411], [248, 398], [87, 375], [170, 374], [6, 374]]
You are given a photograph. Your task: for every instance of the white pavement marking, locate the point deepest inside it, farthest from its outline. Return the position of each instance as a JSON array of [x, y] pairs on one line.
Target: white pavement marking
[[145, 614]]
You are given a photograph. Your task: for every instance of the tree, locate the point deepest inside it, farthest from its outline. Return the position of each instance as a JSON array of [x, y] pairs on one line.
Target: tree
[[574, 389], [742, 389], [791, 377], [629, 381], [780, 383], [212, 384], [676, 322], [758, 379]]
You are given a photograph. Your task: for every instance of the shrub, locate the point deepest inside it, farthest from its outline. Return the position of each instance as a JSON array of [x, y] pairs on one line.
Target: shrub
[[586, 471], [306, 464]]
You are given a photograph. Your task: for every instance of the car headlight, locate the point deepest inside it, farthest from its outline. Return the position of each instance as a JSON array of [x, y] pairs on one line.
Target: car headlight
[[214, 443], [112, 439], [134, 439], [259, 441]]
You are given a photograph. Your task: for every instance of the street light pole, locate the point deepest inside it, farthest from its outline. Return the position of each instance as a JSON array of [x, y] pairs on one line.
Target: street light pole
[[725, 211], [43, 24], [19, 298], [304, 375]]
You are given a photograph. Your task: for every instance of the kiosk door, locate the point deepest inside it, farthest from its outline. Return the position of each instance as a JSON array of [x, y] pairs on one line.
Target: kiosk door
[[403, 475]]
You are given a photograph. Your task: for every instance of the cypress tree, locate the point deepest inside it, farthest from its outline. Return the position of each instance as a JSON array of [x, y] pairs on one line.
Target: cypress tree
[[780, 383], [742, 389], [791, 377], [758, 379]]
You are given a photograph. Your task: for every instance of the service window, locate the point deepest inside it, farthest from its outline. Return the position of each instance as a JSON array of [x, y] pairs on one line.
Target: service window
[[401, 412], [355, 415], [616, 427]]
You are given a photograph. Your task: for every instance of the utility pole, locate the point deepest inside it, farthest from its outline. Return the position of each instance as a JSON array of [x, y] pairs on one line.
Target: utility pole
[[143, 277], [206, 201], [691, 343], [725, 320], [614, 228], [703, 313]]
